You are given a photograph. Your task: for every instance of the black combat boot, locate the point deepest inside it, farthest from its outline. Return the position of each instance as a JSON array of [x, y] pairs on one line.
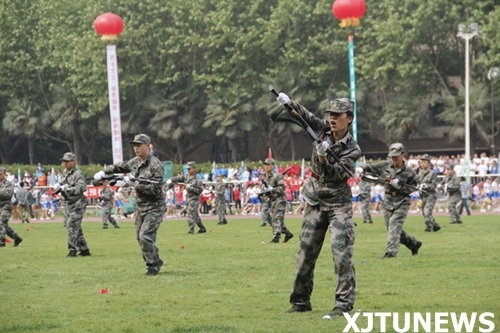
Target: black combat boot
[[288, 236], [300, 307], [414, 250], [85, 253], [17, 241]]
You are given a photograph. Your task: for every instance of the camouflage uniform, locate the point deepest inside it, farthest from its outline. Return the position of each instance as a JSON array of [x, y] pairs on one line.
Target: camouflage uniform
[[23, 203], [74, 208], [220, 201], [107, 205], [149, 204], [277, 202], [193, 200], [365, 192], [454, 197], [329, 208], [396, 205], [428, 181], [6, 193], [264, 212]]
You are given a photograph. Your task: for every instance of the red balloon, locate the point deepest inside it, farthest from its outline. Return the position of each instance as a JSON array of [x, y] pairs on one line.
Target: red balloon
[[343, 9], [108, 24]]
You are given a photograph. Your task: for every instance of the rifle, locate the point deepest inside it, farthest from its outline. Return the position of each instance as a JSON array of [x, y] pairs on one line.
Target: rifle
[[116, 177], [303, 123], [194, 186], [266, 194], [377, 179]]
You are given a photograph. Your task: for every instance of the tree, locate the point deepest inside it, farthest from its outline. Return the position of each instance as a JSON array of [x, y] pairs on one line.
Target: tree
[[228, 115], [23, 119], [183, 65], [454, 113], [67, 117]]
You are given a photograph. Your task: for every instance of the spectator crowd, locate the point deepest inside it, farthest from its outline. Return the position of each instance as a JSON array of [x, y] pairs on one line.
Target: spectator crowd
[[243, 188]]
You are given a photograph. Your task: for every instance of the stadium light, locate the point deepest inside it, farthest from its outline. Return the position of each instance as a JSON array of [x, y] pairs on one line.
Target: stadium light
[[467, 33], [493, 73]]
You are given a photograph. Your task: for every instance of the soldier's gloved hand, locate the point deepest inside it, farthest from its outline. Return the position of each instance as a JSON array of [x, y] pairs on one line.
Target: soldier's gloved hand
[[283, 98], [423, 186], [359, 171], [169, 181], [130, 181], [56, 187], [64, 187], [395, 183], [321, 148], [439, 186], [100, 175], [269, 188], [127, 179], [189, 187]]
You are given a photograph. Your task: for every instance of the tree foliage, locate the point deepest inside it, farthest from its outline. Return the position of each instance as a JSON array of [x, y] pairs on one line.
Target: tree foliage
[[197, 73]]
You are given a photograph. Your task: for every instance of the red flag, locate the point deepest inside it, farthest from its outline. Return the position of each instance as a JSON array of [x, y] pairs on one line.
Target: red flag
[[269, 153]]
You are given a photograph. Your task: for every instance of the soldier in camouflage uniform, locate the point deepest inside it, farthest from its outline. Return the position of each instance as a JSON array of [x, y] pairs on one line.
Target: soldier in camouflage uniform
[[72, 186], [452, 183], [273, 187], [428, 182], [23, 195], [146, 176], [264, 206], [6, 193], [365, 191], [397, 199], [106, 197], [329, 207], [194, 187], [220, 200]]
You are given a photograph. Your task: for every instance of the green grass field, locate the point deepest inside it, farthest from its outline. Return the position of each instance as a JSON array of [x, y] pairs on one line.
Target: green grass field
[[229, 281]]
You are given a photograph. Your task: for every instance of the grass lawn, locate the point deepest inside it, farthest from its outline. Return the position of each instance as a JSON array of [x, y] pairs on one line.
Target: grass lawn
[[232, 279]]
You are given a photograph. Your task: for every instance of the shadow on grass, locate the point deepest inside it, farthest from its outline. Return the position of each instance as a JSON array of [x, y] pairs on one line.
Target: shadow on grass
[[34, 327], [204, 328], [180, 273]]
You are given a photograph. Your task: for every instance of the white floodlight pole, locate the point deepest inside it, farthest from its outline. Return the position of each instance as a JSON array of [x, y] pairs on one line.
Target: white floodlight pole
[[474, 31]]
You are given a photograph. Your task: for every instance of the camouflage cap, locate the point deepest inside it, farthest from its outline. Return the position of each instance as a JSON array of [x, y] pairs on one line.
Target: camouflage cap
[[396, 149], [191, 165], [425, 157], [68, 157], [2, 170], [269, 161], [341, 105], [141, 138]]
